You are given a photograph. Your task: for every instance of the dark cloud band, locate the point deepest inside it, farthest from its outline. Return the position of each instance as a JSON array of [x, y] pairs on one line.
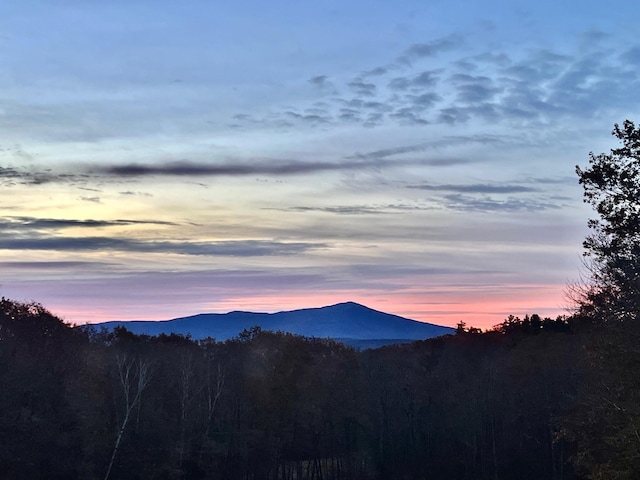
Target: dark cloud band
[[241, 248], [244, 169], [56, 223]]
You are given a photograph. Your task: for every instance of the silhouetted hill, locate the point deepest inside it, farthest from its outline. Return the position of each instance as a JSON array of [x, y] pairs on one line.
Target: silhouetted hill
[[349, 322]]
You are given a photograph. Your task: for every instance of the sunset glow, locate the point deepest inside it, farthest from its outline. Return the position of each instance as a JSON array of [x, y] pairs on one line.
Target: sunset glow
[[163, 159]]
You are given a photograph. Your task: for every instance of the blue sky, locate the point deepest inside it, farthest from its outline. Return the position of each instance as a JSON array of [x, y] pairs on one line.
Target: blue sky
[[159, 159]]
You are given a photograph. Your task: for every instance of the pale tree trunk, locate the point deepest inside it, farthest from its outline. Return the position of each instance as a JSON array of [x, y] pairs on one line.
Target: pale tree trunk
[[129, 377], [214, 390], [186, 374], [213, 395]]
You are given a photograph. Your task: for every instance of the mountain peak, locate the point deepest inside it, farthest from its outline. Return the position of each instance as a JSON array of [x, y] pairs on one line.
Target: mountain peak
[[347, 304], [344, 321]]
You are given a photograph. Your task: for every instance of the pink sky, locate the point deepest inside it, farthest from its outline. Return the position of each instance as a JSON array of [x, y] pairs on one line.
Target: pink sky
[[480, 306]]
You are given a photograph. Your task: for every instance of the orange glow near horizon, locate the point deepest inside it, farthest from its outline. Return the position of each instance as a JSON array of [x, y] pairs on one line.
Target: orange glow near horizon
[[481, 307]]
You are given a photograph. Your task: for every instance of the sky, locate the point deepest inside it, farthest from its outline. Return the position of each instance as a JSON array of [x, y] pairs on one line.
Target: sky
[[160, 159]]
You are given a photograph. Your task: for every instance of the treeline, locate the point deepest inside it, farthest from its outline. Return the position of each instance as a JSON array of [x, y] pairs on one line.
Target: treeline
[[80, 404]]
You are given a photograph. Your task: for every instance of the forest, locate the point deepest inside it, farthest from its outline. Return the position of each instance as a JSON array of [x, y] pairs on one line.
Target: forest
[[524, 400], [532, 398]]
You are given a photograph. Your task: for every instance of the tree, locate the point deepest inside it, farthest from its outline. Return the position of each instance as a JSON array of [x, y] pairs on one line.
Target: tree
[[605, 422], [134, 378], [39, 364], [612, 186]]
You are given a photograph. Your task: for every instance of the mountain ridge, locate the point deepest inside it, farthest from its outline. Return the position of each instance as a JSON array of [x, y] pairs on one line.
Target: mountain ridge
[[349, 322]]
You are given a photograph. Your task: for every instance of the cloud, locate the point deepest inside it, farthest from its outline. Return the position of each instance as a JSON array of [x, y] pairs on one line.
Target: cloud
[[453, 115], [129, 192], [319, 81], [313, 118], [592, 38], [485, 204], [441, 142], [430, 49], [53, 265], [323, 84], [565, 180], [481, 197], [240, 248], [59, 223], [474, 89], [375, 72], [409, 116], [262, 168], [10, 173], [362, 88], [539, 67], [358, 161], [10, 176], [425, 79], [379, 106], [412, 271], [355, 209], [424, 101], [349, 115], [541, 86], [475, 188], [532, 89], [631, 56]]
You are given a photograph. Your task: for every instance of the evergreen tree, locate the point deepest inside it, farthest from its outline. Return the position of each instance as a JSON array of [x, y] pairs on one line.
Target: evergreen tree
[[612, 186]]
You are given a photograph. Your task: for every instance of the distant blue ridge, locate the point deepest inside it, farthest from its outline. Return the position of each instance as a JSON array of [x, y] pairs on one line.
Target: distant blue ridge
[[348, 322]]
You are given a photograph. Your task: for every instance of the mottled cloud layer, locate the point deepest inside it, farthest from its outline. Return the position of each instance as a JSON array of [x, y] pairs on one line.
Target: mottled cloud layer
[[500, 87]]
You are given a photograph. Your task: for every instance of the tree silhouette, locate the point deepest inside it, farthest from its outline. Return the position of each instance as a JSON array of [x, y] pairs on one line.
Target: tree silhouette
[[612, 187], [604, 425]]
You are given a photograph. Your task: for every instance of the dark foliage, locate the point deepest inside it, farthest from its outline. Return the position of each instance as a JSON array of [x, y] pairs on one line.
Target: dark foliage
[[604, 425], [79, 403], [612, 187]]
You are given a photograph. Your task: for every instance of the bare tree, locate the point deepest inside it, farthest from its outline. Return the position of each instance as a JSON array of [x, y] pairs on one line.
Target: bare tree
[[187, 368], [134, 377]]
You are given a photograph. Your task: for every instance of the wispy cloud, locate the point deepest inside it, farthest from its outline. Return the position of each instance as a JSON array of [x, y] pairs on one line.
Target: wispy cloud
[[475, 188], [240, 248], [362, 88], [422, 80], [28, 175], [59, 223], [403, 151], [431, 49], [486, 204], [52, 265], [354, 209], [319, 80], [474, 89], [131, 193]]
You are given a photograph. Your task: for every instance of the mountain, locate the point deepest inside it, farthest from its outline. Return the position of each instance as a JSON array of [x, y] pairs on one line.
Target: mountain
[[349, 322]]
